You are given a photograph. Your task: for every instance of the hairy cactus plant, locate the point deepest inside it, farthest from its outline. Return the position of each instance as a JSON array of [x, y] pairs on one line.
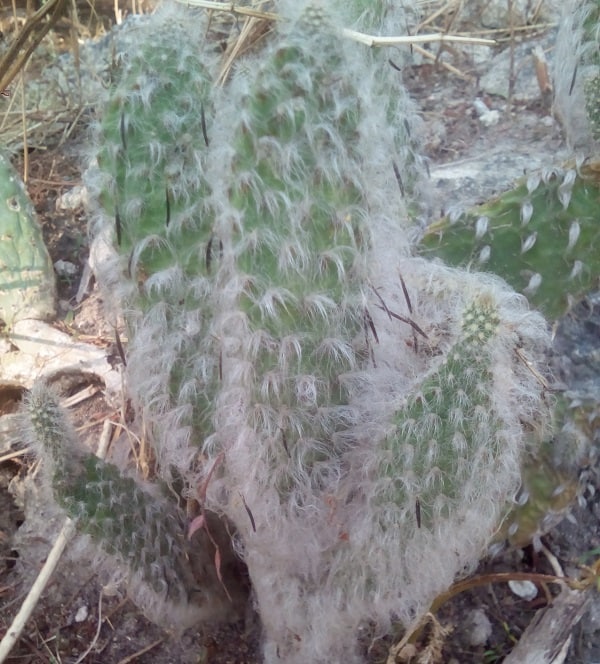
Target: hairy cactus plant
[[434, 475], [27, 281], [380, 17], [545, 495], [383, 17], [140, 529], [297, 242], [444, 422], [154, 212], [352, 410], [577, 73], [293, 198], [303, 475], [542, 237]]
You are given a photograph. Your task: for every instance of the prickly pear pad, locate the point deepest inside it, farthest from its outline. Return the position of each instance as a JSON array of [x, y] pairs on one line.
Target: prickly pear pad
[[27, 287], [542, 237]]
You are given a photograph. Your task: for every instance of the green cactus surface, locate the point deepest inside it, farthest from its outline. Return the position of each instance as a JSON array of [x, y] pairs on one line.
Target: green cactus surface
[[542, 237], [259, 232], [27, 287], [446, 423], [153, 194], [139, 528], [303, 234], [576, 66], [154, 135], [592, 104], [545, 496]]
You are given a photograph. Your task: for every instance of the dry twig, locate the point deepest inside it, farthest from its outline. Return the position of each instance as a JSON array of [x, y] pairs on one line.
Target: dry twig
[[368, 40], [35, 29], [14, 631]]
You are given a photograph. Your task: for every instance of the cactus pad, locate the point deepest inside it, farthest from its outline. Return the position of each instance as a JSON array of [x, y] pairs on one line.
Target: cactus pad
[[140, 529], [447, 423], [152, 190], [27, 287], [542, 237]]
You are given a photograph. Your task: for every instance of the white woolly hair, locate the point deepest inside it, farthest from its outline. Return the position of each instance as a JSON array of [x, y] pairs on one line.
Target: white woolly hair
[[324, 552], [320, 559], [319, 563], [161, 337], [571, 67], [380, 17], [45, 427]]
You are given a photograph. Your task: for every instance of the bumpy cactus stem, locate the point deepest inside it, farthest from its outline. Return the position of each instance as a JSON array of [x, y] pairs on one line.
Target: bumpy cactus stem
[[542, 237], [153, 194], [577, 73], [436, 473], [298, 247], [446, 424], [265, 355], [142, 530], [154, 138]]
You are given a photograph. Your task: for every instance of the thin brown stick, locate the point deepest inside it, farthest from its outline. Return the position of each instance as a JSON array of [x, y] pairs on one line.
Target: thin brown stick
[[467, 584], [361, 37], [534, 27], [139, 653], [15, 454], [14, 631], [96, 635], [411, 40], [511, 63], [449, 6], [35, 29], [446, 65], [252, 31], [231, 8], [17, 625]]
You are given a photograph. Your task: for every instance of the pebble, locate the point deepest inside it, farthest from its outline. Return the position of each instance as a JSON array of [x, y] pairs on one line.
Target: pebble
[[72, 199], [523, 589], [82, 614], [65, 268], [490, 118], [480, 627]]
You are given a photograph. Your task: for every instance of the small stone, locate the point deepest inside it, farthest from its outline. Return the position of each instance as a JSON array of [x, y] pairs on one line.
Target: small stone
[[82, 614], [481, 107], [72, 199], [65, 268], [490, 118], [524, 589], [479, 627]]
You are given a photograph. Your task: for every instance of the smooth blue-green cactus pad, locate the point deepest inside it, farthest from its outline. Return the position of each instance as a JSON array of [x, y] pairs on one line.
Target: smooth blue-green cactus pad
[[27, 288]]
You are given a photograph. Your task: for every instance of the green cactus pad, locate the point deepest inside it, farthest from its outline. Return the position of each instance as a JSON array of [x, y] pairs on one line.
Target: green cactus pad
[[139, 528], [154, 136], [300, 252], [446, 423], [542, 237], [27, 288], [151, 177], [546, 495], [270, 388], [592, 104]]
